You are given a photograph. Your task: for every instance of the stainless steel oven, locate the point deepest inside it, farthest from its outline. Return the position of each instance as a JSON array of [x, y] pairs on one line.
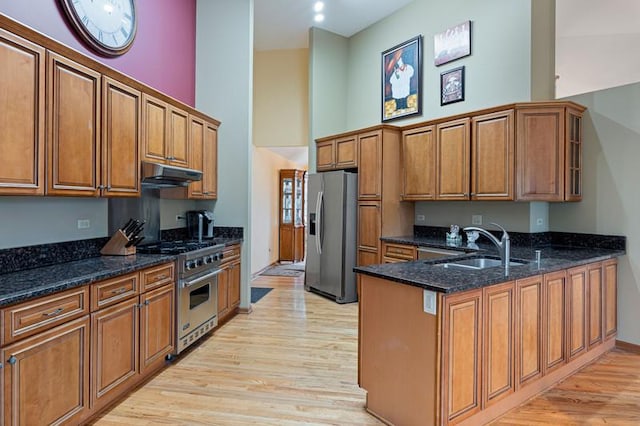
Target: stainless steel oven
[[197, 307]]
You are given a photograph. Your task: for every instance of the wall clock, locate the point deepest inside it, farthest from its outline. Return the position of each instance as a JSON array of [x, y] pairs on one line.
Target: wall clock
[[108, 26]]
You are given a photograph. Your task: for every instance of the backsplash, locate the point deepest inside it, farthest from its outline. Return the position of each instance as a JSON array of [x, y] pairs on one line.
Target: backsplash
[[218, 232]]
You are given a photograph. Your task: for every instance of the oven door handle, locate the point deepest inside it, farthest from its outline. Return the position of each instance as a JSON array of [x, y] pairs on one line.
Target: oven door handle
[[189, 283]]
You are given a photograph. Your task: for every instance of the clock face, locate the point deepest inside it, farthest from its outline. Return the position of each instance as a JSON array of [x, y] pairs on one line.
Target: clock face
[[109, 26]]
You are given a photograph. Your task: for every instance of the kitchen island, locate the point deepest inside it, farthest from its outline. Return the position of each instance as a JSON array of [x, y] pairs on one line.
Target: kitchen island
[[445, 345]]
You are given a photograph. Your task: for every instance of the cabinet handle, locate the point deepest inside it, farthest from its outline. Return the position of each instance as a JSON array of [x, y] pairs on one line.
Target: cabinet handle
[[100, 186], [146, 303], [53, 313], [119, 290], [109, 188], [161, 277], [12, 360]]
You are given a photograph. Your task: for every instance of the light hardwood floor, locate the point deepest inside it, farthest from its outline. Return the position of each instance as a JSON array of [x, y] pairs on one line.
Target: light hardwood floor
[[293, 361]]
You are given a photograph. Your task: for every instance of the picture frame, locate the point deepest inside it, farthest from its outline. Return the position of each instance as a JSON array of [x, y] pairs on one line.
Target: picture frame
[[452, 86], [452, 43], [402, 80]]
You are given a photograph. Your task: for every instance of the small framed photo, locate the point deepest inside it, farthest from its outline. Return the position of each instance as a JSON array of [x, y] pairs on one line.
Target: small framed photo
[[402, 80], [452, 86], [453, 43]]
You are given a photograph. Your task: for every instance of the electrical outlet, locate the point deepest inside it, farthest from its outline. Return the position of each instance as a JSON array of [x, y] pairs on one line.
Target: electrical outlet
[[178, 218], [429, 301], [84, 223], [476, 219], [540, 221], [420, 218]]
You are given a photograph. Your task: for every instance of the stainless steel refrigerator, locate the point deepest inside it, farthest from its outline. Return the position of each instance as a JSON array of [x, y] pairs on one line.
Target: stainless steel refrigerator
[[332, 199]]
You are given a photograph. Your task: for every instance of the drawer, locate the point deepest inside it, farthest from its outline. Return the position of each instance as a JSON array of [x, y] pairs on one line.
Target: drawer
[[399, 251], [231, 253], [34, 316], [157, 276], [106, 293]]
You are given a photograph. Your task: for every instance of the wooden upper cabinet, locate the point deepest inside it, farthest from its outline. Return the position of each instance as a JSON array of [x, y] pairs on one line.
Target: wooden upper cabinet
[[549, 159], [325, 155], [453, 139], [165, 136], [210, 161], [346, 155], [120, 139], [492, 156], [73, 128], [370, 166], [22, 84], [178, 147], [419, 164], [196, 129]]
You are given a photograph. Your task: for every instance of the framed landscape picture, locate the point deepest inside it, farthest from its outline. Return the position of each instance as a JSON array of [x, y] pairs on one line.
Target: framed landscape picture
[[452, 86], [402, 80], [452, 44]]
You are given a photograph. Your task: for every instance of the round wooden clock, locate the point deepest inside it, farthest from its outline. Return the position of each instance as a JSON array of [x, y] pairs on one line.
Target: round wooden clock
[[108, 26]]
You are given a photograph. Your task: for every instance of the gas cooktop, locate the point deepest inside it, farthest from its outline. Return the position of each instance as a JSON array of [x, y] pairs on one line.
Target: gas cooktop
[[174, 247]]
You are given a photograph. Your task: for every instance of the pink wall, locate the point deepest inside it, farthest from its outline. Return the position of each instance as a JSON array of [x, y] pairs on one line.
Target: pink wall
[[163, 52]]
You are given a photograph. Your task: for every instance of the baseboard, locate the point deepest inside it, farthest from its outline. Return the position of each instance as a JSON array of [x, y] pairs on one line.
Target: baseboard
[[253, 276], [628, 346], [245, 310]]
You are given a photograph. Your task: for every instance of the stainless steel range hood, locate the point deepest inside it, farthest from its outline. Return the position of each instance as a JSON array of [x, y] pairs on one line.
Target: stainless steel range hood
[[163, 176]]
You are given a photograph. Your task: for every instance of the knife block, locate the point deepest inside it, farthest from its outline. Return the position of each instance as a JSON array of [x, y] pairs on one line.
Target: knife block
[[116, 245]]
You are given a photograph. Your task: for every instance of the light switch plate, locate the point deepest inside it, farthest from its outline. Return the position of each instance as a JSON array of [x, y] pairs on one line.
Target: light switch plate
[[429, 303], [84, 223]]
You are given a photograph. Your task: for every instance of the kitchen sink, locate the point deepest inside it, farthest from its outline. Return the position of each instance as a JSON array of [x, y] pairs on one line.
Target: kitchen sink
[[477, 263]]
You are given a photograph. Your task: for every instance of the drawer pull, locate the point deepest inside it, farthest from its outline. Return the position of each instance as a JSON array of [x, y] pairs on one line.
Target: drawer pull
[[161, 277], [119, 290], [53, 313]]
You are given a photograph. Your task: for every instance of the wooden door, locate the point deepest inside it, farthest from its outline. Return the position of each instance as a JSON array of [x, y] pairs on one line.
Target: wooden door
[[223, 292], [325, 155], [540, 154], [461, 354], [498, 358], [178, 137], [157, 327], [196, 135], [22, 84], [610, 315], [210, 161], [234, 285], [577, 311], [46, 376], [370, 166], [114, 351], [594, 304], [492, 156], [419, 164], [155, 125], [346, 152], [555, 319], [452, 160], [73, 128], [369, 228], [529, 339], [120, 139]]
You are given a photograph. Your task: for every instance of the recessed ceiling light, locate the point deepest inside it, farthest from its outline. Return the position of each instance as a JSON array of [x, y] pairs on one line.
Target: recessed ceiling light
[[319, 17], [318, 6]]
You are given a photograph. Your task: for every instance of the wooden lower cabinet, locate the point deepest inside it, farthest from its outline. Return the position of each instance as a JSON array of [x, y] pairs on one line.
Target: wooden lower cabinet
[[46, 376], [610, 314], [554, 320], [528, 330], [594, 304], [577, 311], [394, 253], [369, 226], [229, 280], [157, 337]]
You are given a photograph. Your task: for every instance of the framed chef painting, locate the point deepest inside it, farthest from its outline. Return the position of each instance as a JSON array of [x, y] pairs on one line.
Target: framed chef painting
[[402, 80]]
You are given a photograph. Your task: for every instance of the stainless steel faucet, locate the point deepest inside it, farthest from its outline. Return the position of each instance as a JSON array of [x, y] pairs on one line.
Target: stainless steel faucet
[[504, 244]]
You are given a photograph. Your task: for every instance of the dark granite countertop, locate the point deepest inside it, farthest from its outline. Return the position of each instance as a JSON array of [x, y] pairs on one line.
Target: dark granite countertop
[[430, 274]]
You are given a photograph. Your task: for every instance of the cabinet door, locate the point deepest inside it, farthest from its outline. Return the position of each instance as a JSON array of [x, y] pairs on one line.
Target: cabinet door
[[370, 166], [196, 129], [555, 319], [594, 304], [22, 77], [73, 128], [610, 316], [492, 156], [286, 243], [577, 311], [210, 161], [325, 155], [528, 330], [419, 164], [461, 348], [114, 351], [498, 337], [299, 243], [540, 154], [178, 137], [452, 160], [346, 152], [157, 327], [154, 129], [223, 292], [234, 285], [573, 156], [120, 139], [369, 226], [46, 376]]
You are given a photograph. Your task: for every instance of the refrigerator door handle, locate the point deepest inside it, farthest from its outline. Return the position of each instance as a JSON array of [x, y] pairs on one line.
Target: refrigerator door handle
[[319, 222]]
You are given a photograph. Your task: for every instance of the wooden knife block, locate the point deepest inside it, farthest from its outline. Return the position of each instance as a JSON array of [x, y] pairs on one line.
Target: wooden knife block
[[116, 245]]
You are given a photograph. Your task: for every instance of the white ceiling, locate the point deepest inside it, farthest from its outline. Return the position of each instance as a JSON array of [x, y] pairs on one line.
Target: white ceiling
[[284, 24]]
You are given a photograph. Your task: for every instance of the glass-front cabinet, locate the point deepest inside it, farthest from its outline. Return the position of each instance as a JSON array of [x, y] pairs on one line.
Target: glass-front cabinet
[[292, 215]]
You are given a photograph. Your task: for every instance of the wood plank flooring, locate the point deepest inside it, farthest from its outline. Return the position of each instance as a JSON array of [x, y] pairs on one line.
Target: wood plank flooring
[[293, 361]]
